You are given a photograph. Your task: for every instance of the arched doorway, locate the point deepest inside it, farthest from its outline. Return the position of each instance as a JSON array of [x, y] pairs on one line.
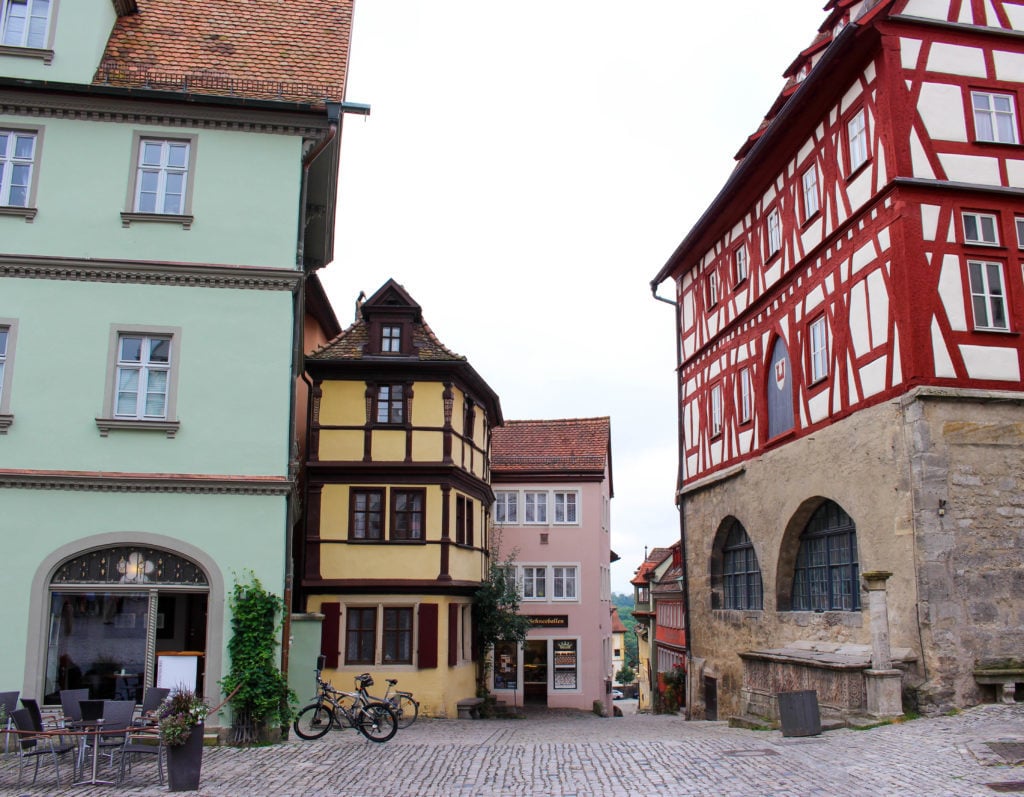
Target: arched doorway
[[779, 390], [114, 611]]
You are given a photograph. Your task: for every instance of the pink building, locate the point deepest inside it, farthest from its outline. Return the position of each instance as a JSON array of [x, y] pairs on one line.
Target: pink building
[[553, 484]]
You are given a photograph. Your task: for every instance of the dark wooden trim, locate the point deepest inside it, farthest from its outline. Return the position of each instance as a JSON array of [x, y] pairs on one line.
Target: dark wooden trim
[[398, 473], [510, 477], [446, 540], [453, 634], [312, 557], [330, 633], [384, 586], [316, 395], [352, 490], [393, 492], [428, 630]]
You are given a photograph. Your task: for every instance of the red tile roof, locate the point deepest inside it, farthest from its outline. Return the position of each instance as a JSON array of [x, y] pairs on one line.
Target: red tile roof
[[654, 558], [618, 627], [574, 444], [263, 49]]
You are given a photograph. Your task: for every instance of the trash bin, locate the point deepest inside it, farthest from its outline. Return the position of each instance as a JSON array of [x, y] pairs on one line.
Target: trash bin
[[799, 713]]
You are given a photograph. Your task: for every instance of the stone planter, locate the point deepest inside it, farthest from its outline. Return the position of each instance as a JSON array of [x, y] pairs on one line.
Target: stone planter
[[184, 762]]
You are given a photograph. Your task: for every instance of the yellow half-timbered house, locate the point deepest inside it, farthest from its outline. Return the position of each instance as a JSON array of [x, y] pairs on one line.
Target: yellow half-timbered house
[[397, 502]]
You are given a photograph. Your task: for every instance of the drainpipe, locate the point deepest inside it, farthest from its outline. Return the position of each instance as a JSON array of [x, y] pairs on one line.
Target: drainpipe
[[684, 586]]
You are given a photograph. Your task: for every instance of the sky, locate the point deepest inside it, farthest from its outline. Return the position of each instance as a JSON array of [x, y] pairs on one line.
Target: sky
[[525, 171]]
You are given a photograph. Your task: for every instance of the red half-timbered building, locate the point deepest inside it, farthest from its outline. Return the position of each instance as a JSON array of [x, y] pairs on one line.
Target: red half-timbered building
[[850, 314]]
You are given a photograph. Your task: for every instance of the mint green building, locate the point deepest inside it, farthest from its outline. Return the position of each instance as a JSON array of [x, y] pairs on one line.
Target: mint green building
[[168, 175]]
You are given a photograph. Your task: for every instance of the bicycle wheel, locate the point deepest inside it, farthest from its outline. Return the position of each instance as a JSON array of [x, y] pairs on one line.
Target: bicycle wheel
[[406, 710], [376, 721], [313, 721]]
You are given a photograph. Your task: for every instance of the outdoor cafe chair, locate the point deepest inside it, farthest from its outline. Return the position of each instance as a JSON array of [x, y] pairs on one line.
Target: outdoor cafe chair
[[155, 695], [46, 721], [117, 719], [141, 741], [9, 701], [69, 700], [34, 742]]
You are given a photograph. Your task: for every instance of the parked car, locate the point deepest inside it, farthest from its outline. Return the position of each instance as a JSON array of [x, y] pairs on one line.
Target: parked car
[[617, 694]]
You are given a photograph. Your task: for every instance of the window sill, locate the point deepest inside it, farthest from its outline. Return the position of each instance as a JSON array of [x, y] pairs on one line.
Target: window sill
[[810, 219], [5, 423], [165, 218], [46, 56], [855, 173], [996, 331], [28, 214], [106, 425], [984, 244]]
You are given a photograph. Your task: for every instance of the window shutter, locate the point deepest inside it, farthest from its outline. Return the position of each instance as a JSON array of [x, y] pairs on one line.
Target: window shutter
[[453, 634], [329, 633], [428, 636]]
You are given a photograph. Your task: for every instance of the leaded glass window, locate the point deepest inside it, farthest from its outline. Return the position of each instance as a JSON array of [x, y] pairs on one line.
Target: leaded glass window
[[129, 564], [741, 575], [827, 573]]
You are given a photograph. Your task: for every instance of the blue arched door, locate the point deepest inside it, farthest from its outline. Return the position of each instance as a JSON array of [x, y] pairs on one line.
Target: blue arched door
[[779, 386]]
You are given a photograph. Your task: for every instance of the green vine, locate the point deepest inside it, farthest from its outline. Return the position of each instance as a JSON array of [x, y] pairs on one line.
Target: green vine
[[263, 699]]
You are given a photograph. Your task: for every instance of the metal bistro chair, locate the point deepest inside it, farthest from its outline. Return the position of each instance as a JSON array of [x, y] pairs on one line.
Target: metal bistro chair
[[69, 700], [47, 721], [117, 720], [141, 741], [34, 742], [9, 700], [155, 695]]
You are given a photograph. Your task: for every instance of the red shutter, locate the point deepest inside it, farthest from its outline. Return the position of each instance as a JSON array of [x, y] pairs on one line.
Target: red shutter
[[329, 633], [453, 634], [428, 636]]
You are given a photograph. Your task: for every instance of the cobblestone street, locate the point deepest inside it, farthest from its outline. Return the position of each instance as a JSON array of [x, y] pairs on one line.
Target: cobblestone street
[[570, 753]]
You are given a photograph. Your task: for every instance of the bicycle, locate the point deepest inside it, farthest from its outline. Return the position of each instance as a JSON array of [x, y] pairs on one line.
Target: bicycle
[[373, 719], [405, 706]]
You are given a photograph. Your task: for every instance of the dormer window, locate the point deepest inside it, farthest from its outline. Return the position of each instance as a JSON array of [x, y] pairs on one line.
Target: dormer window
[[391, 339], [805, 70]]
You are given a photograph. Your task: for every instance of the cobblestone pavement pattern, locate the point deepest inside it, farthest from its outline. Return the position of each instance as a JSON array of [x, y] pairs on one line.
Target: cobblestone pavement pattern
[[565, 754]]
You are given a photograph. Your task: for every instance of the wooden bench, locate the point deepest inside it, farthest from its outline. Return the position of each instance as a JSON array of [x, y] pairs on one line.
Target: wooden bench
[[469, 708]]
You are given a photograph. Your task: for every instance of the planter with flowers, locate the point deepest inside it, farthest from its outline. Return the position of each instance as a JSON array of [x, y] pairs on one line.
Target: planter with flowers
[[180, 720]]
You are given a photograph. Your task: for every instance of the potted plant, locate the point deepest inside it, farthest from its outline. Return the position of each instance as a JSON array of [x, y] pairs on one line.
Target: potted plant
[[180, 721]]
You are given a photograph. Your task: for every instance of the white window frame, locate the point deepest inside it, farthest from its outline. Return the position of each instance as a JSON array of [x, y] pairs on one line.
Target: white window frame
[[857, 139], [713, 288], [148, 375], [812, 199], [988, 116], [818, 347], [985, 295], [981, 229], [534, 582], [746, 396], [8, 163], [504, 500], [7, 350], [566, 507], [33, 36], [565, 583], [739, 260], [1018, 222], [183, 215], [111, 419], [774, 224], [716, 410], [535, 507]]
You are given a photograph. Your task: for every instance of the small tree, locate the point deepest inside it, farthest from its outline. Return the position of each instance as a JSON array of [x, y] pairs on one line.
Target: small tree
[[496, 612], [625, 675], [263, 699]]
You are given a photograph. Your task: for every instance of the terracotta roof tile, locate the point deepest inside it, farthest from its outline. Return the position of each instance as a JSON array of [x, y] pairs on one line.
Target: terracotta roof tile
[[568, 444], [265, 49], [618, 627], [349, 345]]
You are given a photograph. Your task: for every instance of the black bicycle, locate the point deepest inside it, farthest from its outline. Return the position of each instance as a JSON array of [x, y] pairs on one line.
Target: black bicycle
[[372, 718]]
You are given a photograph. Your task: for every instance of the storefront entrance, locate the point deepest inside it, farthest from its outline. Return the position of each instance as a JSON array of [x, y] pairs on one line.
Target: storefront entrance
[[535, 672], [112, 611]]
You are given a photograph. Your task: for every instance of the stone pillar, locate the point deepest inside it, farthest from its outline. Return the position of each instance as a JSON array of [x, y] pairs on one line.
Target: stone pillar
[[883, 683]]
